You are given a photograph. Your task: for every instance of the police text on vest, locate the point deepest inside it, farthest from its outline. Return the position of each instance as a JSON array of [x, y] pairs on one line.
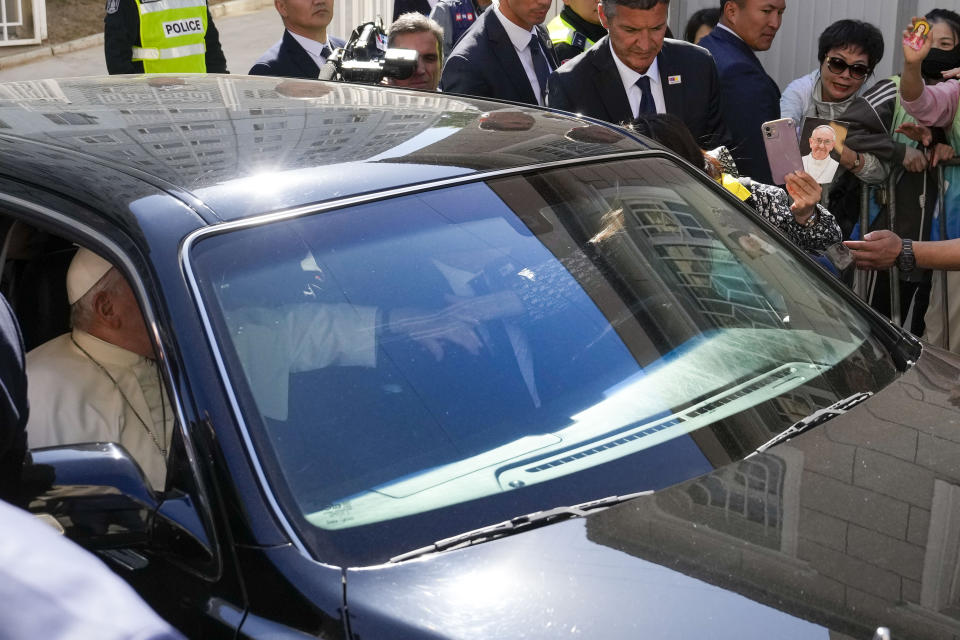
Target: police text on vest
[[183, 27]]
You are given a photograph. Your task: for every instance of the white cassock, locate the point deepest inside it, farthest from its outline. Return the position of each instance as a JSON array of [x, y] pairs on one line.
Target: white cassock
[[821, 170], [73, 399]]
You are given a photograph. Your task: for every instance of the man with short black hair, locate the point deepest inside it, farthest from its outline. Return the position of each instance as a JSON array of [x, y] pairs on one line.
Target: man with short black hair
[[506, 55], [421, 34], [750, 97], [637, 70], [305, 47]]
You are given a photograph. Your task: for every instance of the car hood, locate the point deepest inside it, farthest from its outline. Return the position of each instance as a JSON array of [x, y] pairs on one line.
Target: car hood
[[847, 528]]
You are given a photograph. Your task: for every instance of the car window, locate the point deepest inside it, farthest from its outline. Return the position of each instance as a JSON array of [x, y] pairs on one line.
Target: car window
[[415, 367]]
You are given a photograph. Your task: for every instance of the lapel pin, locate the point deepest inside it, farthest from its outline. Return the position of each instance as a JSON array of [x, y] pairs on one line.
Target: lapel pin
[[674, 80]]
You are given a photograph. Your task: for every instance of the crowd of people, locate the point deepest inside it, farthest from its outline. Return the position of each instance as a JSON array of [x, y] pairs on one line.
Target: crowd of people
[[615, 60]]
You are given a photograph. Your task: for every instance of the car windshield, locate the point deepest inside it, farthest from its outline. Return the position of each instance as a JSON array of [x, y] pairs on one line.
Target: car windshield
[[415, 367]]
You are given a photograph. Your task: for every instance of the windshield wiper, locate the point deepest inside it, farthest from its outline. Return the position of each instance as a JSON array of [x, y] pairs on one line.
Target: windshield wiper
[[518, 524], [816, 418]]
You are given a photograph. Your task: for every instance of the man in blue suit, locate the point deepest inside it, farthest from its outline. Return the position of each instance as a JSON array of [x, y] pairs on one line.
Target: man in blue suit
[[506, 54], [605, 81], [304, 48], [750, 96]]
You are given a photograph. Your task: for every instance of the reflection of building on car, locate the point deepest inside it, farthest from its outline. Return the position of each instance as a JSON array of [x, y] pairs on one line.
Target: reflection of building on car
[[519, 327]]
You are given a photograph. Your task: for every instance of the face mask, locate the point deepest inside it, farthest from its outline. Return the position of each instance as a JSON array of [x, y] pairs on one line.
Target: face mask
[[938, 61]]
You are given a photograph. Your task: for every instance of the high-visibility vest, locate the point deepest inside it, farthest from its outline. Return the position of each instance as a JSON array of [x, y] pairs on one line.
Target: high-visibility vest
[[562, 32], [172, 36]]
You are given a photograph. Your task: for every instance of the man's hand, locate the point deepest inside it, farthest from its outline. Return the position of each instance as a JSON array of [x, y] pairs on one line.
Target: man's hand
[[914, 160], [805, 193], [941, 153], [877, 250], [432, 328], [916, 132]]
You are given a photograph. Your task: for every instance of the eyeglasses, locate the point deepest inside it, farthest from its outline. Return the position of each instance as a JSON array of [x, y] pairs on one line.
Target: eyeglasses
[[858, 71]]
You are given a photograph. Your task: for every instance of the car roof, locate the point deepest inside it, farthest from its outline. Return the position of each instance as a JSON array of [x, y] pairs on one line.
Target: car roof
[[238, 146]]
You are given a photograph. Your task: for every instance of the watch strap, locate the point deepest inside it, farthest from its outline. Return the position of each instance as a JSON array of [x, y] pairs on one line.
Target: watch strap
[[906, 261]]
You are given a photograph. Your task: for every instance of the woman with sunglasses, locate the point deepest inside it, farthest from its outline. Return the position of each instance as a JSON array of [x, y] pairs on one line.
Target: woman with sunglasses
[[848, 51]]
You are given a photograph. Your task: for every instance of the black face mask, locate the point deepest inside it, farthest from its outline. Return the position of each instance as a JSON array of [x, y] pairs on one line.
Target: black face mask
[[938, 61]]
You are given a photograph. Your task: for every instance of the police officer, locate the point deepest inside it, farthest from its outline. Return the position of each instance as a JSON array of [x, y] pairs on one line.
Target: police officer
[[575, 29], [161, 36], [455, 17]]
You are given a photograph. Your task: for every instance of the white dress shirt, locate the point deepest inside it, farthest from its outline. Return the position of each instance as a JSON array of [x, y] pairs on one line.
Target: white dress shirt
[[729, 30], [629, 78], [313, 48], [520, 38]]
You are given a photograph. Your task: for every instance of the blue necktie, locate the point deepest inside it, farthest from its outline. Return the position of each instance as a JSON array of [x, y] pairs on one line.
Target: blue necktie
[[540, 65], [647, 105]]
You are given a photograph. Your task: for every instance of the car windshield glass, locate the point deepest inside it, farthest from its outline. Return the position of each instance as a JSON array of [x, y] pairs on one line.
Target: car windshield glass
[[415, 367]]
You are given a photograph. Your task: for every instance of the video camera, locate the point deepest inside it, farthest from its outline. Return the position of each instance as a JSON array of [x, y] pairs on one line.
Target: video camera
[[366, 58]]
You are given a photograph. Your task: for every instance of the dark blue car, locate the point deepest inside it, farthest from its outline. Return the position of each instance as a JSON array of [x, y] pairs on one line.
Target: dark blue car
[[446, 368]]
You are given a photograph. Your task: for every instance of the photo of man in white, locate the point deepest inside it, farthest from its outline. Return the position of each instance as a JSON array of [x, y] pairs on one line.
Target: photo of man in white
[[818, 162]]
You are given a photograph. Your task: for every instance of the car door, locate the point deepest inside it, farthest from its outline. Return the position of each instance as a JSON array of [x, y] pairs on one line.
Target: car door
[[172, 546]]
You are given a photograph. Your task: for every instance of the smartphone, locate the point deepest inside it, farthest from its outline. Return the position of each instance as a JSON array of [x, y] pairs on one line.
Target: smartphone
[[783, 148]]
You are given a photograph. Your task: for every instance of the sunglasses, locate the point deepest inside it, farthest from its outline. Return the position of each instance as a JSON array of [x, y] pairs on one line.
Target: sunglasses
[[858, 71]]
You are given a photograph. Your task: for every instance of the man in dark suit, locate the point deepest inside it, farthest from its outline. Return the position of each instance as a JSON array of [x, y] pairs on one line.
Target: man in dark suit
[[304, 48], [750, 96], [506, 54], [634, 70]]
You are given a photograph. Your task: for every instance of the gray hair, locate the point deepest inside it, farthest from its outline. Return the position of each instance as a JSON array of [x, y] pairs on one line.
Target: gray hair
[[82, 312], [610, 6], [415, 23]]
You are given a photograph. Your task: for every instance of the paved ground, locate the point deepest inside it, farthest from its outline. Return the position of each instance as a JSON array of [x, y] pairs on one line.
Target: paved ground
[[243, 37]]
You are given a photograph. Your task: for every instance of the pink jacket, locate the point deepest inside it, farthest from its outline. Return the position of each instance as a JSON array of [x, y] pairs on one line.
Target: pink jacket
[[937, 105]]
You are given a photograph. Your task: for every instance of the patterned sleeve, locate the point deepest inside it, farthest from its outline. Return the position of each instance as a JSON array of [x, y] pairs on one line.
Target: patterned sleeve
[[773, 203]]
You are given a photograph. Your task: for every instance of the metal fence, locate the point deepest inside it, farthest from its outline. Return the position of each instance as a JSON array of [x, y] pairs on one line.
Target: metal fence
[[860, 285]]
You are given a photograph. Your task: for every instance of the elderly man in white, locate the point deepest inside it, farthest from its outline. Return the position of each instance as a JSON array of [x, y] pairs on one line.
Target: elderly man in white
[[818, 162], [100, 383]]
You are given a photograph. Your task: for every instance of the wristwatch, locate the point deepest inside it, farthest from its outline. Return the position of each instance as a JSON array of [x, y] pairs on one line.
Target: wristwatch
[[906, 261]]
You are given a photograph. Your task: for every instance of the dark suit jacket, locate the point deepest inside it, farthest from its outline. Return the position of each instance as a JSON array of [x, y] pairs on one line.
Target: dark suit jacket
[[401, 7], [289, 60], [484, 63], [590, 84], [750, 97]]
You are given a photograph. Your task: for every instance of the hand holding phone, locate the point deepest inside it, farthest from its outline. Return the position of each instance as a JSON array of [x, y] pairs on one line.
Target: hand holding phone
[[783, 148]]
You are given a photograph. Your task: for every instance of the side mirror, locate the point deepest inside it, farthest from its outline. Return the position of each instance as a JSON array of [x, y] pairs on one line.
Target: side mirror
[[96, 493]]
